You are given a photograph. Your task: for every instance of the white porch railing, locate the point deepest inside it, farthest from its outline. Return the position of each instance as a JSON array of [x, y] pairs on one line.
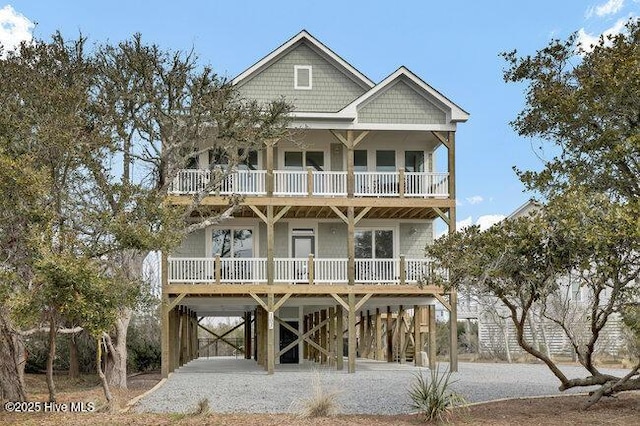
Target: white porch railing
[[330, 271], [245, 182], [297, 271], [426, 184], [290, 183], [297, 183]]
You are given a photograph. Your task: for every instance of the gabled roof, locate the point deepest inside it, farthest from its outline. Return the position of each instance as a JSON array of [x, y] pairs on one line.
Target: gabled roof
[[454, 112], [315, 44], [529, 207]]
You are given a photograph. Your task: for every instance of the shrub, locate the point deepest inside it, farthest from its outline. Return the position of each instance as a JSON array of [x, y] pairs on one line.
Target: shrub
[[432, 396], [321, 403]]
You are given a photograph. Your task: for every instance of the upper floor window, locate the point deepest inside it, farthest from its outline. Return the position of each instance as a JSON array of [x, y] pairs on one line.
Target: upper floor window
[[360, 160], [373, 243], [236, 242], [414, 161], [385, 161], [294, 160], [245, 159], [302, 77]]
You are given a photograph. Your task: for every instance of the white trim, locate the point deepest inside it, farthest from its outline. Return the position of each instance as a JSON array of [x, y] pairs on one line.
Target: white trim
[[454, 113], [336, 125], [296, 69], [303, 35], [302, 224]]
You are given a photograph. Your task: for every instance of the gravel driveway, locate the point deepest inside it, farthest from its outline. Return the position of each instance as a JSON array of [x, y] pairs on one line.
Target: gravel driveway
[[239, 385]]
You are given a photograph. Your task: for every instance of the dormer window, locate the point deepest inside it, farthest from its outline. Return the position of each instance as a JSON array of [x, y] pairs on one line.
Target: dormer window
[[302, 77]]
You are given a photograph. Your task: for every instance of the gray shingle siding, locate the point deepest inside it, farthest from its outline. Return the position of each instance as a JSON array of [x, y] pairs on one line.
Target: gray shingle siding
[[332, 245], [331, 89], [192, 246], [412, 245], [401, 104]]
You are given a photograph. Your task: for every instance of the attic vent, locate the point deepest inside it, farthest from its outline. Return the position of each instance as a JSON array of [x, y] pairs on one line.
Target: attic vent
[[302, 77]]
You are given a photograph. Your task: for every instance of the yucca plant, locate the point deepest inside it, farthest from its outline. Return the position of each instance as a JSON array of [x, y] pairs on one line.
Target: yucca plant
[[433, 397]]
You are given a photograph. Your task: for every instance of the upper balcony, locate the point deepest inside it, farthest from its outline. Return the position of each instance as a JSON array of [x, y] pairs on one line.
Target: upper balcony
[[312, 183]]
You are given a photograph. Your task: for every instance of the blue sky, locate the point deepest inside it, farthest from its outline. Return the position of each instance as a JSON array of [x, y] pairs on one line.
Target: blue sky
[[452, 45]]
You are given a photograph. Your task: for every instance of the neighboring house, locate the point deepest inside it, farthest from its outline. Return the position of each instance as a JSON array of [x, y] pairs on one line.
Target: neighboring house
[[496, 332], [330, 234]]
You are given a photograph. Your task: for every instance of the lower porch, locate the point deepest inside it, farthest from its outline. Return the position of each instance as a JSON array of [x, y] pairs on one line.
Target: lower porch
[[331, 329]]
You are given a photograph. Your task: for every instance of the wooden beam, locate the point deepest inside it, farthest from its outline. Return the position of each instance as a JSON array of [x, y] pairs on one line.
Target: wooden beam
[[363, 301], [441, 138], [339, 337], [442, 215], [172, 304], [302, 337], [258, 213], [389, 345], [340, 300], [360, 138], [378, 333], [259, 300], [351, 312], [271, 361], [432, 337], [453, 330], [341, 138], [417, 345], [281, 213], [281, 301], [339, 214], [362, 213], [441, 299]]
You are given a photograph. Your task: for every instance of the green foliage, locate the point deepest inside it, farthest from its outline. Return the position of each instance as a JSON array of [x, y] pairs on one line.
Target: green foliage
[[433, 397], [586, 100], [143, 343]]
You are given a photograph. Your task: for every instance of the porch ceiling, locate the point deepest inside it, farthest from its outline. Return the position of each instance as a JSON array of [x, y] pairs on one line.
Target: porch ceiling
[[325, 212], [238, 305]]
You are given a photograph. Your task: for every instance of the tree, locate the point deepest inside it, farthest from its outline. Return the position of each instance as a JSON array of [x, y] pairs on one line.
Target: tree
[[523, 262], [107, 131], [585, 100], [163, 109]]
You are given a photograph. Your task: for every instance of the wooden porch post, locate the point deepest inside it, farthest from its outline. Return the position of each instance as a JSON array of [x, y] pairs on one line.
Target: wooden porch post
[[352, 333], [417, 341], [389, 335], [270, 335], [379, 346], [323, 336], [339, 337], [432, 337], [402, 335], [453, 297], [332, 335], [247, 335], [165, 341]]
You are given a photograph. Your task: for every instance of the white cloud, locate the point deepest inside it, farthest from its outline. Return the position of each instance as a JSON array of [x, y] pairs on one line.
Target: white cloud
[[609, 8], [14, 28], [588, 40], [461, 224], [489, 220], [476, 199], [485, 221]]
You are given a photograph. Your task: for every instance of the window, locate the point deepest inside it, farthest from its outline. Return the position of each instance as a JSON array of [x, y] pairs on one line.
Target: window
[[360, 160], [414, 161], [244, 160], [374, 244], [302, 77], [385, 161], [237, 243], [293, 160]]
